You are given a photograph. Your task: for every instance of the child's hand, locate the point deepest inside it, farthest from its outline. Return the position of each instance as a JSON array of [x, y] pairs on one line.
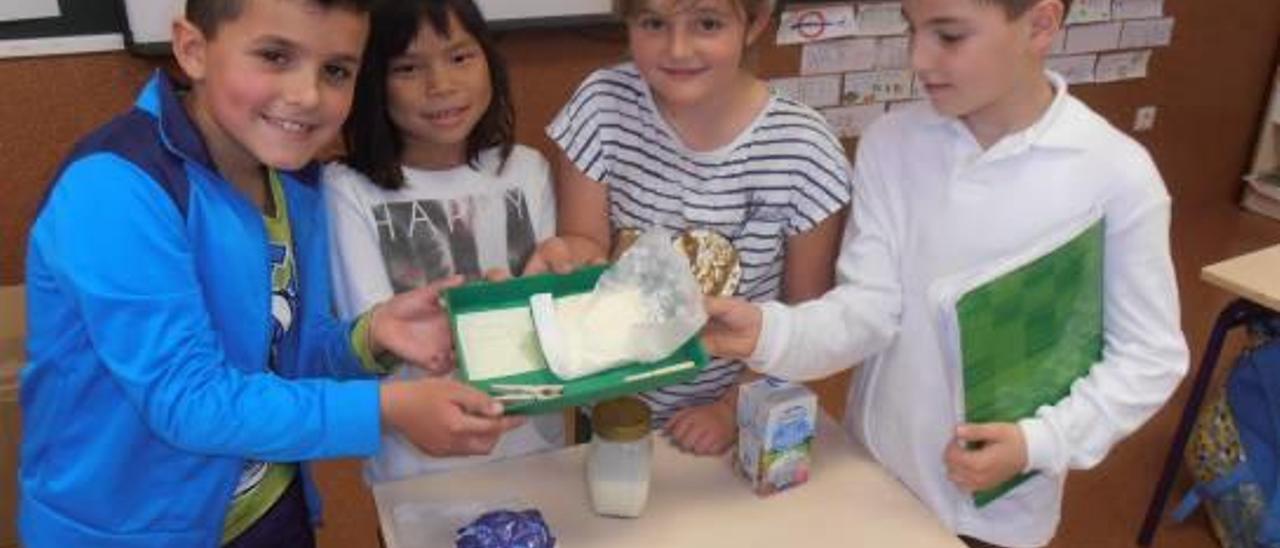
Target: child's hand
[[999, 452], [733, 327], [704, 430], [414, 327], [563, 255], [497, 275], [444, 417]]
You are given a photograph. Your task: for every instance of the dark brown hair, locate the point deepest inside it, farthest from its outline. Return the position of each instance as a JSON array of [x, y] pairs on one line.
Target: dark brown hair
[[374, 145], [209, 15]]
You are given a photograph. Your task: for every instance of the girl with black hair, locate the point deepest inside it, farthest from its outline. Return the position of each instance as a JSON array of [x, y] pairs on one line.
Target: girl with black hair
[[434, 185]]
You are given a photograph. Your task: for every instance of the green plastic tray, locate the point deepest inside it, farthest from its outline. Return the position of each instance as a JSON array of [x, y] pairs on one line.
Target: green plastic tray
[[515, 293]]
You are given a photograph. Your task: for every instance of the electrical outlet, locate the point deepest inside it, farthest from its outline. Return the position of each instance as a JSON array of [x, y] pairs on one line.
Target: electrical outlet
[[1145, 118]]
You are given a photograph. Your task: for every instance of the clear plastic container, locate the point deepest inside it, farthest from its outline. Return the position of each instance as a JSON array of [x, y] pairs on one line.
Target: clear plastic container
[[618, 460]]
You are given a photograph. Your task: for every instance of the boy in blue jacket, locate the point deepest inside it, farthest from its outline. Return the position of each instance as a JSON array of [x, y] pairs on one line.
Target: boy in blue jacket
[[184, 360]]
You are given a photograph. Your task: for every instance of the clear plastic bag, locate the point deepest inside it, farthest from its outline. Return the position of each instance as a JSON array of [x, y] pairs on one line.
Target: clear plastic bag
[[642, 309], [672, 297]]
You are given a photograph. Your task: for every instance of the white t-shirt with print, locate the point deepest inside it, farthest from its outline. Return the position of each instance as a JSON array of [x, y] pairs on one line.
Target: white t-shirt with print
[[455, 221]]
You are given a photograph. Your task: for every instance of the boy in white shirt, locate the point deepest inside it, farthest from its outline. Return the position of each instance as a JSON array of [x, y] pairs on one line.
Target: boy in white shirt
[[1001, 157]]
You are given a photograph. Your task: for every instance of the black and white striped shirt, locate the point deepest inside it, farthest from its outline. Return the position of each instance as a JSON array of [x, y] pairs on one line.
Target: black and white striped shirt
[[780, 177]]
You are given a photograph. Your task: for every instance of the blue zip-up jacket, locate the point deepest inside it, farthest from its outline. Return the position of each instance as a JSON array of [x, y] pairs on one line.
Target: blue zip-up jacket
[[148, 309]]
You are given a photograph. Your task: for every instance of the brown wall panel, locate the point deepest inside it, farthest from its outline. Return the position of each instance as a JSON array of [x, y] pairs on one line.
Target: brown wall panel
[[46, 103], [1210, 87]]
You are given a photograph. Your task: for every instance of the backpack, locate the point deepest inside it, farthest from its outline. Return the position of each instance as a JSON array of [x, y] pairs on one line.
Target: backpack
[[1234, 453]]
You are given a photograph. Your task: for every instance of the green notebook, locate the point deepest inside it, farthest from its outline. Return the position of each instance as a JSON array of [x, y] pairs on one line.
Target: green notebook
[[492, 353], [1024, 329]]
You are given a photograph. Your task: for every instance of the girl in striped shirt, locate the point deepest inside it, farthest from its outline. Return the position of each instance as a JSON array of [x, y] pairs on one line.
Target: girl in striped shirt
[[683, 137]]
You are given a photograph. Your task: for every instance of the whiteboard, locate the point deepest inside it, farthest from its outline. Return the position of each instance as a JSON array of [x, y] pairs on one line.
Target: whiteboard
[[149, 20], [507, 11], [14, 10], [52, 27]]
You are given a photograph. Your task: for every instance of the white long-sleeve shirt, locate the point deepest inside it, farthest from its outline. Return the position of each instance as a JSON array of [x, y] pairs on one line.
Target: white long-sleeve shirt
[[930, 202]]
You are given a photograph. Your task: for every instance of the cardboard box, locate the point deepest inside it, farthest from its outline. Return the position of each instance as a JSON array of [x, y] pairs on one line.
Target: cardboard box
[[12, 357], [776, 424]]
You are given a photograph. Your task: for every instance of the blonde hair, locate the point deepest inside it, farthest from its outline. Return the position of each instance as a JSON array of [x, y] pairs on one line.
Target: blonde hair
[[625, 9]]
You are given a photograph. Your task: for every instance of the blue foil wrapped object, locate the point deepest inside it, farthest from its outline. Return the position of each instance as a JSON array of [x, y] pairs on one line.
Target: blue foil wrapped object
[[507, 529]]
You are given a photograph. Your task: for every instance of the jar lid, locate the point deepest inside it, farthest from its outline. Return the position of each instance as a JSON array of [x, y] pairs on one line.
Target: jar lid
[[621, 419]]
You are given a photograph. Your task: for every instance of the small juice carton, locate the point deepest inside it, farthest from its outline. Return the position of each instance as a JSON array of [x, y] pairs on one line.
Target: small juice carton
[[776, 425]]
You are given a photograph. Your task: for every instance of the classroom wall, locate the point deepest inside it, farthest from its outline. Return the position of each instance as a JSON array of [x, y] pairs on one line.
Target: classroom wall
[[1210, 87]]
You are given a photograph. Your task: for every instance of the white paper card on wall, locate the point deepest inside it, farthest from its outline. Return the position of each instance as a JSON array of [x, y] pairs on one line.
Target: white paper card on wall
[[893, 52], [798, 26], [785, 87], [1122, 65], [1147, 33], [1275, 103], [880, 19], [1094, 37], [894, 85], [509, 10], [1075, 69], [1137, 9], [846, 55], [16, 10], [917, 88], [820, 91], [864, 88], [901, 105], [859, 88], [1059, 44], [851, 121], [1089, 11], [815, 91]]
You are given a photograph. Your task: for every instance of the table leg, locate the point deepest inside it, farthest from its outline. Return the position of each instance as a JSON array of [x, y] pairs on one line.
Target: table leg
[[1235, 314]]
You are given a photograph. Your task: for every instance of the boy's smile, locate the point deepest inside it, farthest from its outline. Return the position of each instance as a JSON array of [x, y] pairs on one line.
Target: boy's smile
[[289, 126], [273, 85]]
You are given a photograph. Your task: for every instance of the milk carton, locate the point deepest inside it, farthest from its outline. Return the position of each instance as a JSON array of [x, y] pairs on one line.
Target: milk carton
[[776, 424]]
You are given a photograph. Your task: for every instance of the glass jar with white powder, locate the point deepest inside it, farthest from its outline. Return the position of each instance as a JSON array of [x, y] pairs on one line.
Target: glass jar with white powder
[[619, 457]]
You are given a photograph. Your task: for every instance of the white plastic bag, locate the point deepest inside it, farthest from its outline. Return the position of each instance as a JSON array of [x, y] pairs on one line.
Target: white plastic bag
[[641, 310]]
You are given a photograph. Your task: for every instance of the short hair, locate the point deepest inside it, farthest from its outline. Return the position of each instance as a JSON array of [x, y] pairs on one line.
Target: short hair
[[1015, 8], [209, 15], [373, 143], [625, 9]]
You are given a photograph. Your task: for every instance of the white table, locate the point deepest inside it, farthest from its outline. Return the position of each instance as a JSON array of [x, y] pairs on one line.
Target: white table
[[849, 501], [1254, 276]]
